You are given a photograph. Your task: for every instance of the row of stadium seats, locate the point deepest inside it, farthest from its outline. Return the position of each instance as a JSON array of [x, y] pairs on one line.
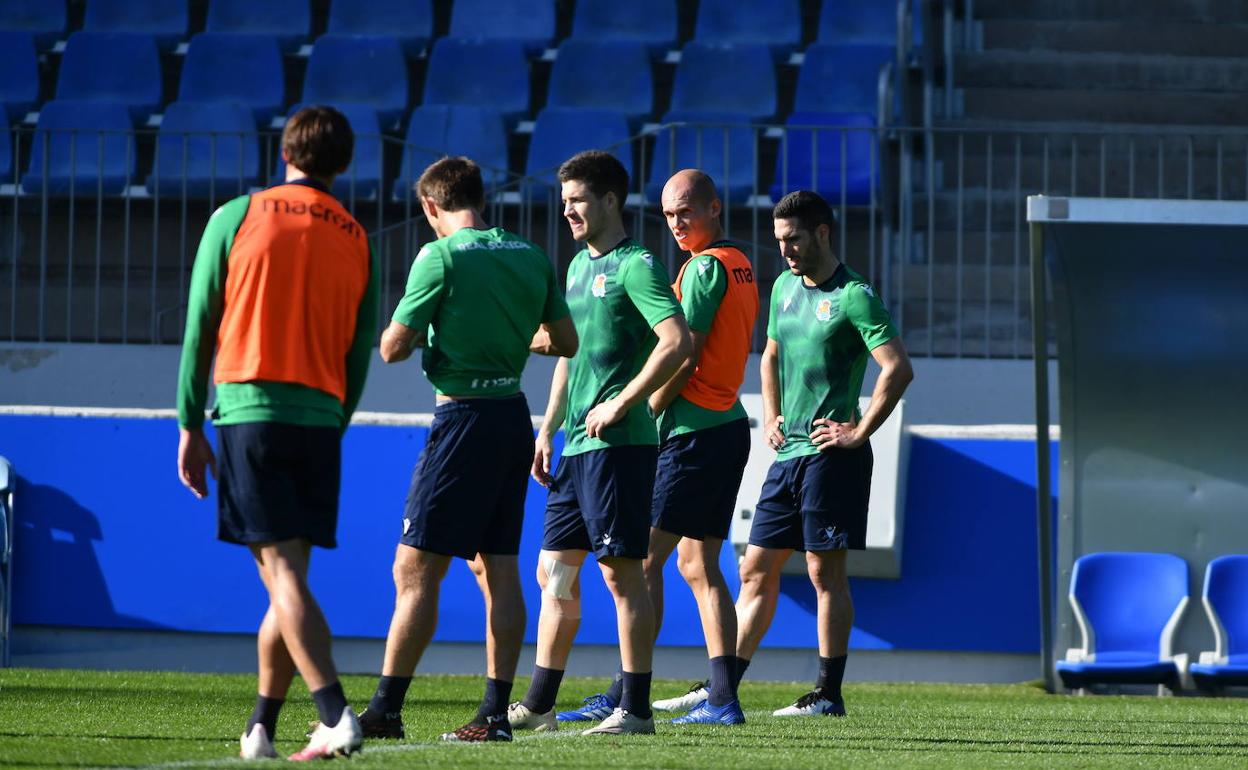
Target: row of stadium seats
[[1128, 605], [247, 69], [774, 23], [213, 150]]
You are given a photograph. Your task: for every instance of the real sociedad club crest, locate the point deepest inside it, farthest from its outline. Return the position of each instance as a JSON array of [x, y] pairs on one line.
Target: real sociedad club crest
[[599, 288], [823, 311]]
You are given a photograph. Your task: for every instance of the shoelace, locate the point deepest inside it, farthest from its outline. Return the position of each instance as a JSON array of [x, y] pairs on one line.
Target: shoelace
[[703, 685], [597, 701], [809, 699]]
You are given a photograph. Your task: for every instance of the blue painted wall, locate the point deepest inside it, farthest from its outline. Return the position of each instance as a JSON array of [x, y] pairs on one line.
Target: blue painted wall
[[108, 538]]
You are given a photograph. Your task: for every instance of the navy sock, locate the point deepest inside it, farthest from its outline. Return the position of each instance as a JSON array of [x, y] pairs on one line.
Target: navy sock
[[265, 713], [721, 690], [636, 696], [391, 690], [739, 672], [831, 672], [497, 693], [543, 689], [616, 691], [330, 703]]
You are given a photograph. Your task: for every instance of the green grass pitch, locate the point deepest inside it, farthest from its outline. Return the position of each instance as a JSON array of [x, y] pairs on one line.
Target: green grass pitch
[[111, 719]]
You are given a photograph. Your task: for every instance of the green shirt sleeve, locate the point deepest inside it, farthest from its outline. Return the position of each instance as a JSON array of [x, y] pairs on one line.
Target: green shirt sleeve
[[868, 315], [556, 306], [646, 285], [425, 284], [361, 351], [772, 331], [702, 289], [204, 306]]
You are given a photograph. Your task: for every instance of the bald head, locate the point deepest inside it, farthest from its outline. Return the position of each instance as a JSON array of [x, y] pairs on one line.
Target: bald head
[[691, 207]]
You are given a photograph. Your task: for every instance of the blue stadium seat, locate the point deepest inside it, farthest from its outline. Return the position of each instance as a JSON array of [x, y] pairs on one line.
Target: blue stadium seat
[[738, 79], [528, 22], [362, 179], [776, 24], [603, 75], [872, 22], [221, 67], [19, 75], [8, 484], [112, 67], [703, 144], [165, 19], [649, 22], [841, 78], [411, 21], [561, 132], [366, 70], [289, 21], [1128, 606], [6, 155], [45, 19], [86, 147], [1225, 597], [473, 72], [206, 150], [435, 131], [810, 157]]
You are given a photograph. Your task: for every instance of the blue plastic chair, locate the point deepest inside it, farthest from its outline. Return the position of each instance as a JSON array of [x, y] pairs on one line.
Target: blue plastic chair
[[437, 130], [528, 22], [45, 19], [19, 74], [411, 21], [8, 484], [1225, 597], [362, 179], [370, 71], [739, 79], [857, 21], [6, 155], [289, 21], [841, 78], [222, 67], [166, 20], [603, 75], [112, 67], [206, 150], [561, 132], [704, 145], [479, 72], [811, 157], [649, 22], [1128, 606], [88, 147], [776, 24]]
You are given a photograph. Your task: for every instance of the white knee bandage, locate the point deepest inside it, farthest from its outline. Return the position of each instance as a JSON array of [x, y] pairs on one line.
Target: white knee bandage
[[560, 578]]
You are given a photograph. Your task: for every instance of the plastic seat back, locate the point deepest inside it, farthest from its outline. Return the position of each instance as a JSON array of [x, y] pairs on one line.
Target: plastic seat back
[[206, 150], [721, 144], [739, 79], [1130, 602], [362, 179], [1226, 594], [435, 131], [166, 20], [528, 22], [776, 24], [81, 148], [830, 153], [853, 21], [649, 22], [479, 72], [603, 75], [841, 78], [112, 67], [411, 21], [223, 67], [19, 74], [289, 21], [359, 70], [45, 19], [561, 132]]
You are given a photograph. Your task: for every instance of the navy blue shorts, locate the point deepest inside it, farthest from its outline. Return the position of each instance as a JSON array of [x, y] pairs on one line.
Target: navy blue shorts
[[816, 502], [699, 475], [600, 502], [467, 493], [278, 482]]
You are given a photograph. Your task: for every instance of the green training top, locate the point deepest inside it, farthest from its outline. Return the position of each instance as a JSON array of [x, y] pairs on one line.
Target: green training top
[[701, 291], [824, 333], [257, 400], [616, 300], [480, 295]]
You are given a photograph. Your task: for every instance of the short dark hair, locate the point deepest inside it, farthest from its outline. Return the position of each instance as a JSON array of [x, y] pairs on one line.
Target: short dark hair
[[808, 208], [598, 170], [453, 183], [318, 141]]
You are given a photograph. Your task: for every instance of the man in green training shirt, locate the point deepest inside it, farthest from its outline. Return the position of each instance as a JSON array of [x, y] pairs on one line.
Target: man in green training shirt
[[284, 296], [824, 320], [634, 338], [478, 300]]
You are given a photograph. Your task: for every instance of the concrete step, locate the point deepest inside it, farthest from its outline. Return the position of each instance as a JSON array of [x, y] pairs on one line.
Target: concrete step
[[1169, 11], [1105, 106], [1102, 71], [1126, 36]]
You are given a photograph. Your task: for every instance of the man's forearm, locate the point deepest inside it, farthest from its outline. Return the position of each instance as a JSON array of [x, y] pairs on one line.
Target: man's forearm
[[660, 366], [662, 398], [889, 387], [557, 404], [771, 388]]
